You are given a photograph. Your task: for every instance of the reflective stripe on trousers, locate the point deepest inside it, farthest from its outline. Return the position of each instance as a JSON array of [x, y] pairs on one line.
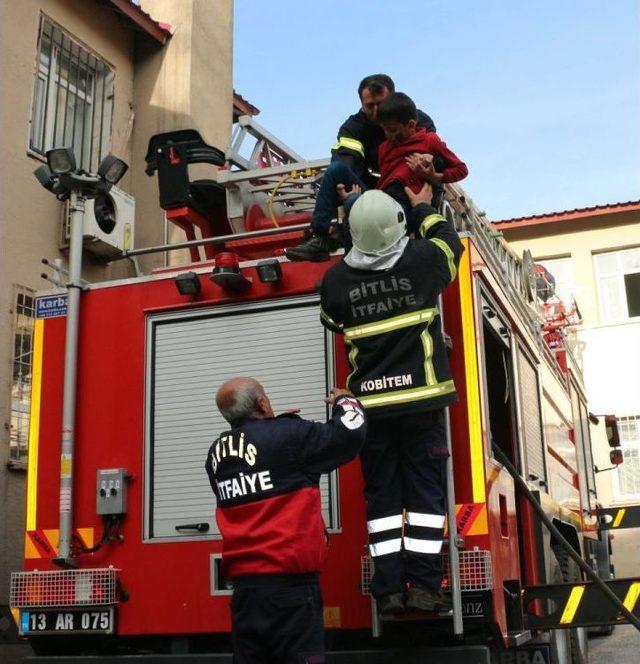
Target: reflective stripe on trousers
[[421, 527]]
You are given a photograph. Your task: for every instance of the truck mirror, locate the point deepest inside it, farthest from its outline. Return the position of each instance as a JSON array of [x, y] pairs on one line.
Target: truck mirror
[[616, 457], [611, 428]]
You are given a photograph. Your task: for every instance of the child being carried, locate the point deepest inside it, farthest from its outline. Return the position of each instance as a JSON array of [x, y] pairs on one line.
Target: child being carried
[[408, 157]]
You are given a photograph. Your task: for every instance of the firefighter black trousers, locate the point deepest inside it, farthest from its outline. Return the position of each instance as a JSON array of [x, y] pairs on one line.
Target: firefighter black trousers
[[277, 619], [404, 467]]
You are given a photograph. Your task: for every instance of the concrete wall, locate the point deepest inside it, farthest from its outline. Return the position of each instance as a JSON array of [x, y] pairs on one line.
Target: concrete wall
[[608, 353], [185, 83]]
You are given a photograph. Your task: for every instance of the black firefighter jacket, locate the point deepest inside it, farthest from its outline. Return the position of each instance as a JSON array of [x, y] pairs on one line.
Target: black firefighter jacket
[[391, 323]]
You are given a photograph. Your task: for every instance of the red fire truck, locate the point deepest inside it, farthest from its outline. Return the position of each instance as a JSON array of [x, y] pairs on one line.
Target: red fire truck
[[142, 575]]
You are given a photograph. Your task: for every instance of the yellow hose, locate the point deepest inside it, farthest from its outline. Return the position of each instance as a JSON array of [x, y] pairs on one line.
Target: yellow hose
[[307, 172]]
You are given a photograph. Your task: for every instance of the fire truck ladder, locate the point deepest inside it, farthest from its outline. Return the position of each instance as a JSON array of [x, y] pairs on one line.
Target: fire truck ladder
[[273, 173], [514, 273], [268, 150]]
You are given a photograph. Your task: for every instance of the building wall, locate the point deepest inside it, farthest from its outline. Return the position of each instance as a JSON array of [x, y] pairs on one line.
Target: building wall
[[185, 83], [29, 215], [609, 353]]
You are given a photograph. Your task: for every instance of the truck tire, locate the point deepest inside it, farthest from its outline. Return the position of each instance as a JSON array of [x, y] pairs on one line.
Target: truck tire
[[559, 639], [605, 630], [578, 638]]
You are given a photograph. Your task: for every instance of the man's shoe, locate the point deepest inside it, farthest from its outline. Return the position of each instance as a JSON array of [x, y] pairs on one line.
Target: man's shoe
[[316, 249], [423, 599], [389, 605]]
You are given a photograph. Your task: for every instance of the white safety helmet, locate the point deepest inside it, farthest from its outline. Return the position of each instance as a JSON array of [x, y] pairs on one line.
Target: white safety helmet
[[376, 222]]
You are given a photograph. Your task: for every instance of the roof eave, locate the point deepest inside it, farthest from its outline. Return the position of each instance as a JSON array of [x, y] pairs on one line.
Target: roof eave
[[243, 106], [524, 222], [155, 30]]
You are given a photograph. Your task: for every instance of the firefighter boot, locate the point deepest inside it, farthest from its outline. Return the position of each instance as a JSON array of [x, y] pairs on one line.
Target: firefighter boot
[[423, 599], [391, 604], [315, 249]]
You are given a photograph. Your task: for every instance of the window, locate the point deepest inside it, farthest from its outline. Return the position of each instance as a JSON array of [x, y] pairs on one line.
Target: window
[[562, 271], [618, 275], [72, 98], [23, 317], [628, 474]]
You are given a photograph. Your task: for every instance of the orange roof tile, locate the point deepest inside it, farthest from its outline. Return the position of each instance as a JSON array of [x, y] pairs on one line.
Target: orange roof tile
[[142, 21], [242, 106], [567, 215]]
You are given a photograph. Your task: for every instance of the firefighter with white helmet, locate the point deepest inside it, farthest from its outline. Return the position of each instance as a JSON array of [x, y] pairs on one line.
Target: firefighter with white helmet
[[383, 297]]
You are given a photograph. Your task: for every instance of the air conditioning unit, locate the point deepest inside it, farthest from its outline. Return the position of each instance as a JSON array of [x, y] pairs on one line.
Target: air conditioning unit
[[107, 225]]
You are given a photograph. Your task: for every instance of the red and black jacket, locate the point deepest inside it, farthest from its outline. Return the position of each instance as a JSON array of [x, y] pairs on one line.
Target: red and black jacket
[[393, 165], [358, 143], [265, 475]]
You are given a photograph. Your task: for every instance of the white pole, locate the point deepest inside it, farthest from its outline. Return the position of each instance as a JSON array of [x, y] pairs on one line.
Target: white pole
[[76, 207], [454, 554]]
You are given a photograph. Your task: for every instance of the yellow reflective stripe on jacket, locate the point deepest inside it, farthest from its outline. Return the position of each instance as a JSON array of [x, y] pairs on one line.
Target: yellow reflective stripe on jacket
[[429, 221], [349, 144], [427, 346], [352, 357], [406, 396], [448, 253], [389, 324], [325, 316]]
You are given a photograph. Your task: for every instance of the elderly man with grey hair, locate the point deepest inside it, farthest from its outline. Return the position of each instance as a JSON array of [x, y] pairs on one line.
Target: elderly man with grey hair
[[265, 474]]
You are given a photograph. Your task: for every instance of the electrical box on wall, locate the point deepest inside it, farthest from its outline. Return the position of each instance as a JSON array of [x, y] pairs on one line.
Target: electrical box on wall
[[111, 491]]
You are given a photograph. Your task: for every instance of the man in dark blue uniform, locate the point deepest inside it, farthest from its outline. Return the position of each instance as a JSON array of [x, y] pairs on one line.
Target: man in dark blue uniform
[[264, 472], [359, 138], [383, 297]]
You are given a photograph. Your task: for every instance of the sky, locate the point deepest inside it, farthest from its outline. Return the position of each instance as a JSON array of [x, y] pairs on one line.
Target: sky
[[541, 99]]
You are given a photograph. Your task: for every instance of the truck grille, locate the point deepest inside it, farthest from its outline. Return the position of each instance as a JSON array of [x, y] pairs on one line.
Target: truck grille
[[78, 587], [476, 571]]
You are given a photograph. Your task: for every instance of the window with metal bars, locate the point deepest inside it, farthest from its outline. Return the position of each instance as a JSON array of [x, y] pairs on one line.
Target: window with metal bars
[[72, 98], [23, 319]]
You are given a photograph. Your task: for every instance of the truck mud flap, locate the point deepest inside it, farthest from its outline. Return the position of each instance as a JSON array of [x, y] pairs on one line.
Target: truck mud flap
[[453, 655], [530, 654]]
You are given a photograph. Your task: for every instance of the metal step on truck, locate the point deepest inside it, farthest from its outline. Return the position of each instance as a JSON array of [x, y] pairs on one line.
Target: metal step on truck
[[122, 552]]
